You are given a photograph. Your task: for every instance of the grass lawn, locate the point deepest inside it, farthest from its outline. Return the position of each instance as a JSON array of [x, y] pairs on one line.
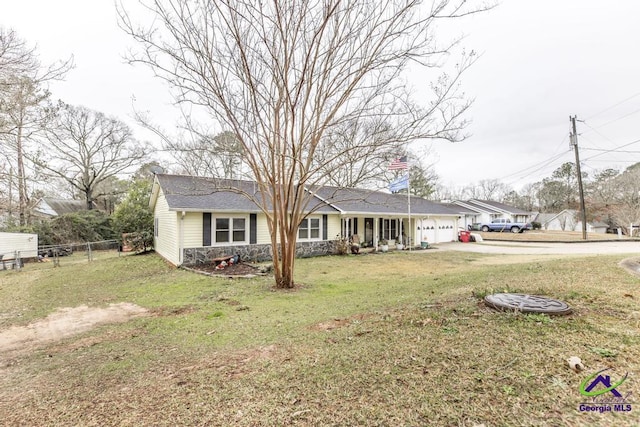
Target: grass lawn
[[378, 340]]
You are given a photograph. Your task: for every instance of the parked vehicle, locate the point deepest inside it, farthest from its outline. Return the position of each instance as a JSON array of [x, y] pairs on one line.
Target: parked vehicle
[[55, 251], [505, 224]]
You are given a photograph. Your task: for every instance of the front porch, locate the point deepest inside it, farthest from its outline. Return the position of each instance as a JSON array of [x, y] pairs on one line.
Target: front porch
[[409, 231]]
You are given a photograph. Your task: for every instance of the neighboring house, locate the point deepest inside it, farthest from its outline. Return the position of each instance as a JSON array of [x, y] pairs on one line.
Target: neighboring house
[[487, 211], [468, 216], [543, 218], [4, 219], [12, 245], [595, 227], [197, 219], [50, 207], [568, 220]]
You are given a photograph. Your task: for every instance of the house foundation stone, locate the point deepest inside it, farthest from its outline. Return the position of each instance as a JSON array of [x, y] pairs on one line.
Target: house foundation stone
[[253, 253]]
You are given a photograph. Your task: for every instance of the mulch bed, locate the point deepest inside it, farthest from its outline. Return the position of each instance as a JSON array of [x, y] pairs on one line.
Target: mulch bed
[[240, 269]]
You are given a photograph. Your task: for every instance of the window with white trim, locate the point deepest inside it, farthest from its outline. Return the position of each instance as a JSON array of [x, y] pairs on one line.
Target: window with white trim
[[389, 227], [231, 230], [309, 229]]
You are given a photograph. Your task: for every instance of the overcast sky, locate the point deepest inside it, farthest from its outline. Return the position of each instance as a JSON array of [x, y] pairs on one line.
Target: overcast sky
[[541, 61]]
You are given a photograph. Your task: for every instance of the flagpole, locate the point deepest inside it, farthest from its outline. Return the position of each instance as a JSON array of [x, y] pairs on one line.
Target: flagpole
[[409, 200], [402, 163]]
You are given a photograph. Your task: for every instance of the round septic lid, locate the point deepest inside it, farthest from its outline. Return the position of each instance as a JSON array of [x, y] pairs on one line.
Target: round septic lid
[[527, 303]]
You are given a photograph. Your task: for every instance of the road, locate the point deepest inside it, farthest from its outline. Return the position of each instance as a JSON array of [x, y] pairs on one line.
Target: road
[[544, 248]]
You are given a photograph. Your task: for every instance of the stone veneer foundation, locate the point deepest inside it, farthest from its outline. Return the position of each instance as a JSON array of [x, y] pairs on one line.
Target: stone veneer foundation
[[253, 253]]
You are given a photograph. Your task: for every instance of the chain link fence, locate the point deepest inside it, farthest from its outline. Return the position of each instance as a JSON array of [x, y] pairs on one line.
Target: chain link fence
[[76, 252], [63, 254]]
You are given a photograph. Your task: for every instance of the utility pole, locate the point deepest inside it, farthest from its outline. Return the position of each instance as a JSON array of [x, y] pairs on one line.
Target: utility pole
[[574, 143]]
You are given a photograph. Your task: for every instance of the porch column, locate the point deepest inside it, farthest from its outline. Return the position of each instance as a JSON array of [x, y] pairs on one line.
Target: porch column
[[375, 232]]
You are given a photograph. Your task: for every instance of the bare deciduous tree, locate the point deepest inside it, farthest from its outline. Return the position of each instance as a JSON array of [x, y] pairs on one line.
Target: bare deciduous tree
[[16, 59], [86, 148], [284, 75], [219, 156], [626, 207], [360, 151], [24, 104], [493, 189], [27, 112]]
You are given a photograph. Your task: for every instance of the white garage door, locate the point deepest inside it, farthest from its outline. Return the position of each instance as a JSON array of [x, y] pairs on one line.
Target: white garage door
[[427, 231], [446, 231]]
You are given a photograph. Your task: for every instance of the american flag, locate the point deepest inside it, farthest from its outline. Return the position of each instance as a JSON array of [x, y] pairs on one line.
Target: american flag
[[399, 163]]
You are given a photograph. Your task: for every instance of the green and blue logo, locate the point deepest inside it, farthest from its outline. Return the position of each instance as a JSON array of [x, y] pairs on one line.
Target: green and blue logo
[[604, 394]]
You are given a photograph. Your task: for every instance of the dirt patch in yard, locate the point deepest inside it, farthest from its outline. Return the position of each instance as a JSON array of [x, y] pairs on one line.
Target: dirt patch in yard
[[339, 323], [65, 322], [236, 270]]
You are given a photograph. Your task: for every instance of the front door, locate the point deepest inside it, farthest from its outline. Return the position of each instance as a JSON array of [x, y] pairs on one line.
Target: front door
[[368, 231]]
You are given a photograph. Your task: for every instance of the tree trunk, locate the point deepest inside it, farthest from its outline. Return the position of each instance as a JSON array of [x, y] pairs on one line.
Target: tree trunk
[[89, 196], [283, 242], [284, 277], [22, 180]]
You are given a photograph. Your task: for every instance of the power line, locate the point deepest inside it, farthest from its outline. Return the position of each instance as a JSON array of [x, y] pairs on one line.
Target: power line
[[537, 166], [546, 161], [542, 164], [596, 131], [619, 118], [613, 106], [611, 161], [613, 150]]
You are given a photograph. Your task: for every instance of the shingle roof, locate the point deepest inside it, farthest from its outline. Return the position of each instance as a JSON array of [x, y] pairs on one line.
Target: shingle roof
[[355, 200], [56, 207], [501, 206], [460, 209], [467, 204], [207, 194], [191, 193], [543, 218]]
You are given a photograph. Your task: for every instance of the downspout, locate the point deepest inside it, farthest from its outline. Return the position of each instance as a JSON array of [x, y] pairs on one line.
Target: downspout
[[181, 239]]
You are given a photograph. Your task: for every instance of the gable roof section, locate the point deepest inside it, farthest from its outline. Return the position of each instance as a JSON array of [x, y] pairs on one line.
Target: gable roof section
[[460, 209], [567, 212], [475, 207], [545, 218], [360, 201], [500, 207], [55, 207], [190, 193]]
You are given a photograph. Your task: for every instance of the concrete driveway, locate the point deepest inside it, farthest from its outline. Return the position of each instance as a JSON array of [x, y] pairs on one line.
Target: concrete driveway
[[543, 248]]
